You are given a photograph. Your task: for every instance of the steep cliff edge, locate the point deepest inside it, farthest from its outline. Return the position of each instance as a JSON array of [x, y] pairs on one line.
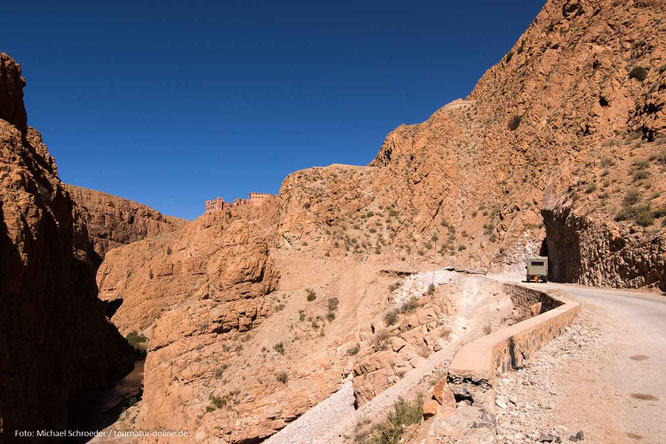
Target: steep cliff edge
[[55, 341], [113, 221]]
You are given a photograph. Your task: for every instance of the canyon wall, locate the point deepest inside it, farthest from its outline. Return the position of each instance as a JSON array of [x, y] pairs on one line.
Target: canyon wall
[[113, 221], [575, 107], [55, 341], [561, 141]]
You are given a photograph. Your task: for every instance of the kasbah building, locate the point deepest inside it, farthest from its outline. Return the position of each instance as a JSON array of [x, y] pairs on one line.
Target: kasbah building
[[218, 204]]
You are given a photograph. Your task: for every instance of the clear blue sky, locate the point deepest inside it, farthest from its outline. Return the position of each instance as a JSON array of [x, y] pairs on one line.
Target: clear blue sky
[[170, 103]]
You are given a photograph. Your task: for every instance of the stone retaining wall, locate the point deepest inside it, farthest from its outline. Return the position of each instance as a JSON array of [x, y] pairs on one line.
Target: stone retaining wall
[[475, 367], [526, 297]]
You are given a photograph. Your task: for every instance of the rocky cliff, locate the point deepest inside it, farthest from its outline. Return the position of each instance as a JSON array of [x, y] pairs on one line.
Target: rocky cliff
[[574, 108], [559, 149], [12, 109], [55, 341], [113, 221]]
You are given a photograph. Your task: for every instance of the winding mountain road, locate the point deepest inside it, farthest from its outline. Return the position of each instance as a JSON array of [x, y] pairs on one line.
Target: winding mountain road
[[632, 371]]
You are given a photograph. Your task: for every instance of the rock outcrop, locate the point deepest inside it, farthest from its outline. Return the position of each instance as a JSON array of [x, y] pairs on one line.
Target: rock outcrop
[[581, 92], [55, 341], [559, 147], [12, 109], [113, 221]]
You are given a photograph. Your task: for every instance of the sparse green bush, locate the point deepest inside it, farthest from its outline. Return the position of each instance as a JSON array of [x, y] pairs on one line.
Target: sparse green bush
[[631, 197], [591, 188], [641, 214], [136, 340], [282, 377], [661, 158], [394, 286], [220, 371], [431, 289], [659, 213], [492, 238], [514, 123], [353, 350], [311, 295], [410, 305], [168, 251], [391, 317], [333, 304], [330, 316], [381, 340], [279, 347], [462, 248], [641, 175], [607, 162], [390, 431], [216, 402], [639, 73]]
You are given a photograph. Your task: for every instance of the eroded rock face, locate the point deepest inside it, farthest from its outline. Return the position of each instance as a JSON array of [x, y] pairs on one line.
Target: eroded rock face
[[557, 131], [12, 109], [193, 293], [113, 221], [572, 108], [55, 341], [589, 250], [210, 259]]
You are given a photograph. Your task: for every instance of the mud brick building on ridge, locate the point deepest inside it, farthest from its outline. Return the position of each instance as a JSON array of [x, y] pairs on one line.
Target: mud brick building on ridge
[[218, 204]]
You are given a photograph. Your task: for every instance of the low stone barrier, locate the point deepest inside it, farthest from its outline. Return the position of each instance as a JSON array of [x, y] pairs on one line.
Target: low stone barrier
[[475, 367]]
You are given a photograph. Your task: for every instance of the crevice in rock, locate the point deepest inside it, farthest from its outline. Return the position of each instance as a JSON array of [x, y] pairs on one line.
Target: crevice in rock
[[460, 397]]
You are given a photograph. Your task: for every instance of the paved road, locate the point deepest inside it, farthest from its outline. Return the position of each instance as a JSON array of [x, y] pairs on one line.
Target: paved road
[[645, 311], [637, 372]]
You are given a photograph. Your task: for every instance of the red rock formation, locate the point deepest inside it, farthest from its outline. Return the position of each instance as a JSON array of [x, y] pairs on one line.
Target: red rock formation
[[113, 221], [549, 143], [573, 107], [55, 341]]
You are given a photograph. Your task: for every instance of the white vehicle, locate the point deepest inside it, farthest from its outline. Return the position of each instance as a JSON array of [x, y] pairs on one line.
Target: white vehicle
[[537, 269]]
